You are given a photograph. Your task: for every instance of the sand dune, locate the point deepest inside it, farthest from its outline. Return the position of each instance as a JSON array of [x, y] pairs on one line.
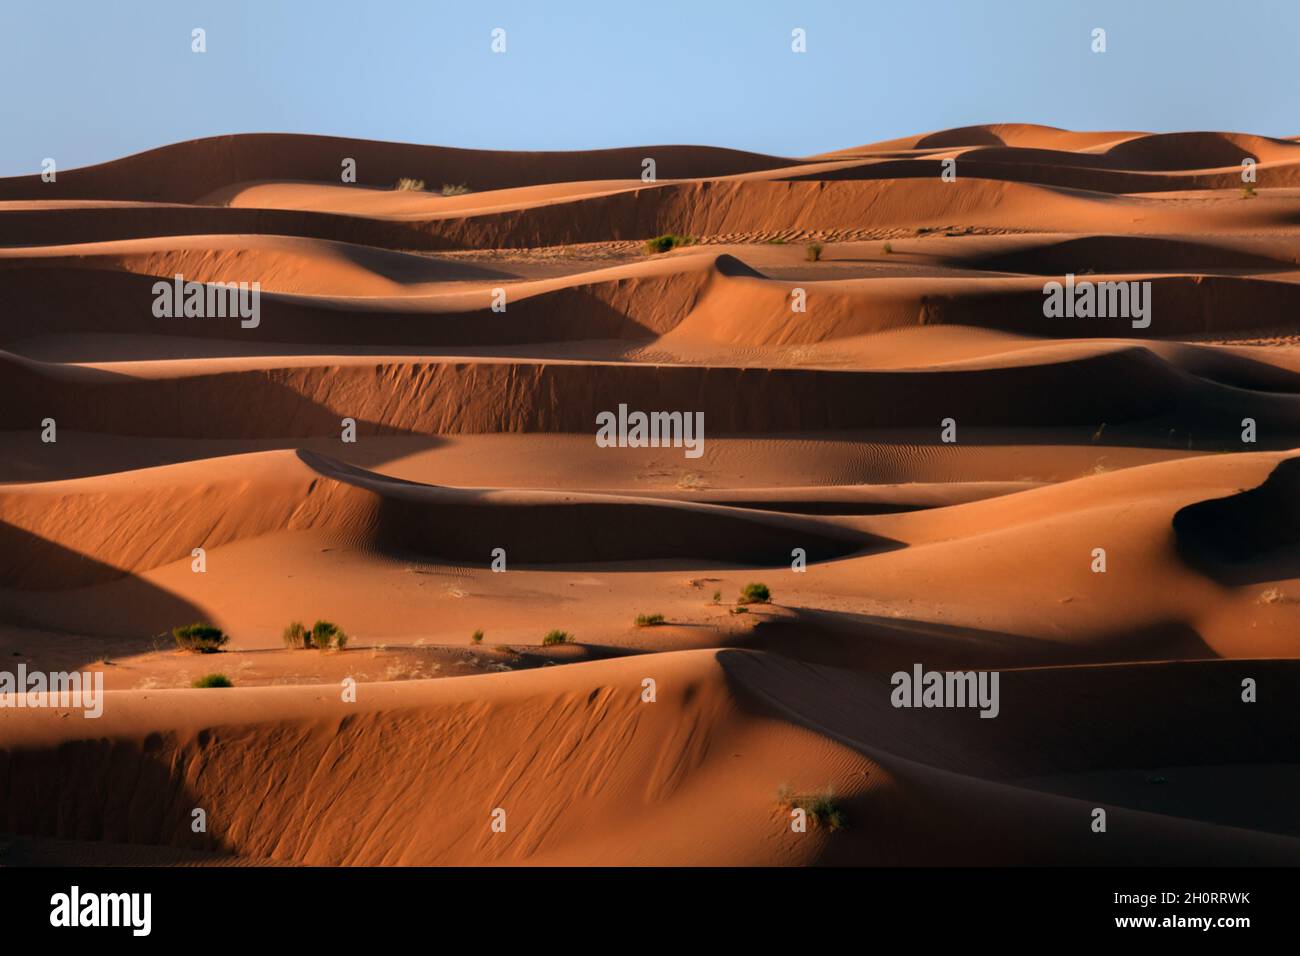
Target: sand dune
[[184, 172], [138, 521], [921, 464], [714, 749], [1119, 386]]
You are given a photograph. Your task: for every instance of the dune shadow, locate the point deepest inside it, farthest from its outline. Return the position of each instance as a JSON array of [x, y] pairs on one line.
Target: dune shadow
[[412, 269], [961, 136], [1050, 720], [865, 642], [580, 531], [255, 404], [1123, 254], [125, 796], [123, 306], [1248, 537], [83, 610]]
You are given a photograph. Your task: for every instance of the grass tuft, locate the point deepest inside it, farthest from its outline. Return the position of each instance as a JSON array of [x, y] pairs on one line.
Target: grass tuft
[[666, 242], [296, 636], [820, 807], [200, 638], [326, 633], [213, 680]]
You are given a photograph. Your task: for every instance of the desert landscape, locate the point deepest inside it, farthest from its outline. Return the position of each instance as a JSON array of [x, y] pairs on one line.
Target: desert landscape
[[566, 653]]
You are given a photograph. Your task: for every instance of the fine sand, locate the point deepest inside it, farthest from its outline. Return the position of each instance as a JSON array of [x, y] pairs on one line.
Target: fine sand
[[694, 741]]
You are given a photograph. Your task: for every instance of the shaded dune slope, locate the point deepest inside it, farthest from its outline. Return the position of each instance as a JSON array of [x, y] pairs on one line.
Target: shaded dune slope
[[1251, 535], [280, 786], [137, 522]]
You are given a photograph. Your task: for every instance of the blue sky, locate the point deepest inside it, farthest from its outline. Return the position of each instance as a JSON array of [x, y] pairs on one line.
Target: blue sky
[[88, 80]]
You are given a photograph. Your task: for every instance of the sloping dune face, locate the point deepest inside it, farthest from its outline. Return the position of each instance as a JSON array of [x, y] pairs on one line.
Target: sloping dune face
[[925, 502]]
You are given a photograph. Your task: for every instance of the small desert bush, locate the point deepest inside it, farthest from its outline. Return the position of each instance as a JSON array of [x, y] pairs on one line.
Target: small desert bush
[[717, 597], [649, 620], [813, 251], [558, 637], [889, 248], [1247, 191], [203, 638], [296, 636], [821, 807], [325, 633], [454, 189], [213, 680], [740, 610], [477, 637], [412, 185], [755, 594], [666, 241]]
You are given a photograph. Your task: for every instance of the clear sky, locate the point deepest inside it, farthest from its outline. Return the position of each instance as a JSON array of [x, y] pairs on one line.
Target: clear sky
[[88, 80]]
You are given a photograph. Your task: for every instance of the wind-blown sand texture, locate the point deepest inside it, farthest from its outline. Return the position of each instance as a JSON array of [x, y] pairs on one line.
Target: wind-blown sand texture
[[475, 431]]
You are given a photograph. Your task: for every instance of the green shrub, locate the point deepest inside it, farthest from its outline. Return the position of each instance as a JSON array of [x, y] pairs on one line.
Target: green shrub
[[717, 597], [477, 637], [821, 807], [667, 241], [814, 251], [213, 680], [413, 185], [1247, 191], [825, 811], [889, 248], [296, 636], [457, 189], [202, 638], [755, 594], [324, 633], [558, 637], [649, 620]]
